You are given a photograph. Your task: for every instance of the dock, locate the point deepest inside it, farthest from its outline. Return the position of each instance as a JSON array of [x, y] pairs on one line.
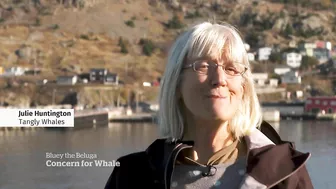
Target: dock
[[91, 119], [136, 117], [307, 116], [326, 117]]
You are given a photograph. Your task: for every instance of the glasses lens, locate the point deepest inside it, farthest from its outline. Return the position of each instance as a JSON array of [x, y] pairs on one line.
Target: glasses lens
[[234, 69], [205, 67], [202, 67]]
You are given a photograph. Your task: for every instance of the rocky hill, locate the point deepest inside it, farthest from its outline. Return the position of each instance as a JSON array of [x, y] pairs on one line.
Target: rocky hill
[[131, 37]]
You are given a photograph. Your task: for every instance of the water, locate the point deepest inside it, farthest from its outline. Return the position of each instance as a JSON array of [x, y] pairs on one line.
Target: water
[[23, 153]]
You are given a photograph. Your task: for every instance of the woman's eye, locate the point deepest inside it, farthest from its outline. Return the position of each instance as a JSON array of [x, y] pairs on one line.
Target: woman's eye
[[232, 70], [203, 65]]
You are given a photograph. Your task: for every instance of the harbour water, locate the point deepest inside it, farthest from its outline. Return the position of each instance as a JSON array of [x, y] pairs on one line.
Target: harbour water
[[23, 153]]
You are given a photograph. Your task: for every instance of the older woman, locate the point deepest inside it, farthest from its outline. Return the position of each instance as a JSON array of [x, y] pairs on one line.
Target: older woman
[[210, 117]]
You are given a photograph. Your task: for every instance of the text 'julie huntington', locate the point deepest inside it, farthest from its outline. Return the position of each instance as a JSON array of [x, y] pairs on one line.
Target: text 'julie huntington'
[[50, 113]]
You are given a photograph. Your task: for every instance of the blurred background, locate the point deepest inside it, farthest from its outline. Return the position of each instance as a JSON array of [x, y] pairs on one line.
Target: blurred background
[[105, 59]]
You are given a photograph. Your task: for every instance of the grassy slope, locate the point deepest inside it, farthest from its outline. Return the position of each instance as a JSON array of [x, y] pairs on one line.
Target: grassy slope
[[103, 24]]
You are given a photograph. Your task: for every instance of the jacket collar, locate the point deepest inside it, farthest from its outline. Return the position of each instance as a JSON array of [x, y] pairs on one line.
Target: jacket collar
[[257, 140], [267, 163]]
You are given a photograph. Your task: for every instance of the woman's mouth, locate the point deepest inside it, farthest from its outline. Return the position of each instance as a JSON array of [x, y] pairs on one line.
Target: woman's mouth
[[216, 96]]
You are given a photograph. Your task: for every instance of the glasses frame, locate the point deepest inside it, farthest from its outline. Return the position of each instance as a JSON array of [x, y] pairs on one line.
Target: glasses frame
[[192, 65]]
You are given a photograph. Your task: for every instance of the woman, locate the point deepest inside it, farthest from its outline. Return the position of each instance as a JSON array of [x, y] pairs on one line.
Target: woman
[[212, 123]]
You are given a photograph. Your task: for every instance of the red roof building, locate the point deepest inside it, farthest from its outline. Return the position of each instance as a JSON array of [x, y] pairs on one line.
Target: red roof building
[[326, 104]]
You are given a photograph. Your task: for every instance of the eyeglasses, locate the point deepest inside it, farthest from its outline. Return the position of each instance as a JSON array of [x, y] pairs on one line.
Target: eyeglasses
[[205, 67]]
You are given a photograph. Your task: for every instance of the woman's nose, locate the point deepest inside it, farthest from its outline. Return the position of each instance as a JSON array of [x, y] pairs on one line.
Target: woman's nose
[[218, 77]]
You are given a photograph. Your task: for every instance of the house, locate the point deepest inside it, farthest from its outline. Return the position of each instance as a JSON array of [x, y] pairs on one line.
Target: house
[[14, 71], [323, 44], [260, 78], [291, 77], [319, 104], [98, 75], [111, 78], [66, 80], [42, 82], [299, 94], [264, 53], [146, 84], [32, 71], [273, 82], [320, 44], [293, 59], [84, 77], [321, 54], [155, 83], [282, 69], [250, 57], [307, 48]]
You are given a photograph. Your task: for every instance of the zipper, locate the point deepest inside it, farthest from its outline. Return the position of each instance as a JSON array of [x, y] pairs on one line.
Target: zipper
[[284, 178], [170, 156]]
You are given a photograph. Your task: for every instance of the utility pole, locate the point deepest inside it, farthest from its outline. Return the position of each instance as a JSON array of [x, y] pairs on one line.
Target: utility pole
[[35, 64], [128, 97], [136, 101], [118, 100], [112, 100], [53, 96], [100, 99]]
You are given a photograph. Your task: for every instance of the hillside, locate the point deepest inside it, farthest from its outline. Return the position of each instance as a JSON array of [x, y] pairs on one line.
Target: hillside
[[65, 37]]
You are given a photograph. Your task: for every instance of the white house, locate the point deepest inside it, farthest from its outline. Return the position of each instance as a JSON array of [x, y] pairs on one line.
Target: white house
[[260, 78], [273, 82], [111, 78], [250, 56], [67, 80], [15, 71], [264, 53], [293, 59], [307, 48], [282, 69], [291, 77], [299, 94], [146, 84]]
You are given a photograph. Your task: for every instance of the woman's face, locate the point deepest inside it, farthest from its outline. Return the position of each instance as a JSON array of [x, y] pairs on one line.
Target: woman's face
[[215, 95]]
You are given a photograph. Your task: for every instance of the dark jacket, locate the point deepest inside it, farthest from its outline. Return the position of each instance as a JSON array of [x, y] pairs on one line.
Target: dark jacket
[[271, 163]]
